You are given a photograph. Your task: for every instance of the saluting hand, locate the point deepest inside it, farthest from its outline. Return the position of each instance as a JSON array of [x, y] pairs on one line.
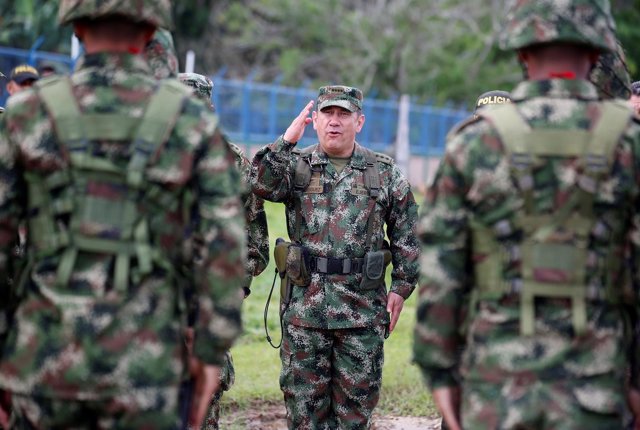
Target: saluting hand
[[296, 130]]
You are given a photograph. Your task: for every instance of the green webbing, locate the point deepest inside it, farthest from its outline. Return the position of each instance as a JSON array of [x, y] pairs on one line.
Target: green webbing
[[65, 266], [159, 118], [488, 273], [607, 132], [97, 127], [510, 125], [57, 96], [531, 290], [301, 181], [372, 184]]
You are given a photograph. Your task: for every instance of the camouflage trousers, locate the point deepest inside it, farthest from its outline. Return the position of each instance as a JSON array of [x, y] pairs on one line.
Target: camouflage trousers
[[153, 409], [331, 378], [595, 403], [227, 378]]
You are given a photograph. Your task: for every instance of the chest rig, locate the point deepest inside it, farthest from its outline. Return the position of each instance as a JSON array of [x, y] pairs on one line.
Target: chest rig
[[95, 205], [308, 176], [554, 245]]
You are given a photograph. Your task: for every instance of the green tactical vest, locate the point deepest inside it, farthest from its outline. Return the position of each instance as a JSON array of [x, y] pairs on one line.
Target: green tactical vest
[[64, 204], [553, 243], [307, 176]]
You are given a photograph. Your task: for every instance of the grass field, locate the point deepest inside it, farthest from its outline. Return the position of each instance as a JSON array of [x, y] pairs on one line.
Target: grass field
[[258, 365]]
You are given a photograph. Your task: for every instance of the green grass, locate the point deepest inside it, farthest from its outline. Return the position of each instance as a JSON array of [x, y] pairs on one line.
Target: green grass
[[258, 365]]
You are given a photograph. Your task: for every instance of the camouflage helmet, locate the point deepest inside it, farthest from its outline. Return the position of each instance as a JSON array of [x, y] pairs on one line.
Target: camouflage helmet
[[202, 85], [584, 22], [611, 76], [154, 12], [161, 55]]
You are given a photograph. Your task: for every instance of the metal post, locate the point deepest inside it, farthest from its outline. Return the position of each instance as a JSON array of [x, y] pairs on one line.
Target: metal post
[[402, 135], [190, 62]]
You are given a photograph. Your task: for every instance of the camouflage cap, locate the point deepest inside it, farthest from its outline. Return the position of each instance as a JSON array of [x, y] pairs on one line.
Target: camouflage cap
[[349, 98], [161, 55], [611, 76], [154, 12], [585, 22], [635, 88], [495, 97], [202, 85]]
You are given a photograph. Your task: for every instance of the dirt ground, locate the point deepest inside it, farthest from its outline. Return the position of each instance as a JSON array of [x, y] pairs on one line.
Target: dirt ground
[[273, 417]]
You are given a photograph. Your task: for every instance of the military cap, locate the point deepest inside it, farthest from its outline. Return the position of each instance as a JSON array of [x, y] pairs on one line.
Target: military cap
[[495, 97], [161, 55], [153, 12], [23, 73], [349, 98], [584, 22], [611, 75], [635, 88], [202, 85]]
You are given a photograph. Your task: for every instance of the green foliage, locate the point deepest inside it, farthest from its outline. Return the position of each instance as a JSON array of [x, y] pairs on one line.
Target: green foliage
[[22, 22]]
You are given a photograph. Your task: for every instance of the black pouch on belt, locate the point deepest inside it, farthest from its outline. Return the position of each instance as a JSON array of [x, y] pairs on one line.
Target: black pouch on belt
[[373, 269]]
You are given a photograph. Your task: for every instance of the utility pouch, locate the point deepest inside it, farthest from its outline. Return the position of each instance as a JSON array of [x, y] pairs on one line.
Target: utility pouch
[[297, 270], [373, 269]]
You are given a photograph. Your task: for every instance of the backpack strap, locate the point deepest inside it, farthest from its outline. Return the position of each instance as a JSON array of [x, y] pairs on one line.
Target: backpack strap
[[301, 181], [373, 185]]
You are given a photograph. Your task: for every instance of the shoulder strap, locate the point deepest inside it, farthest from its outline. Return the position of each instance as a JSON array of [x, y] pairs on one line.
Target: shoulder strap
[[157, 123], [371, 173], [606, 134], [303, 168]]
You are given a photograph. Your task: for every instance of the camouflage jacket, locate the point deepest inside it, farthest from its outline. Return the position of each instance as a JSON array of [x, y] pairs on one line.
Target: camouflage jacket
[[334, 224], [256, 220], [474, 183], [85, 339]]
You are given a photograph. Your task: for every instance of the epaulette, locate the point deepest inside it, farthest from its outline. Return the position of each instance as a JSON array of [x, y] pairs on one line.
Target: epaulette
[[383, 158], [462, 125], [236, 149], [303, 151]]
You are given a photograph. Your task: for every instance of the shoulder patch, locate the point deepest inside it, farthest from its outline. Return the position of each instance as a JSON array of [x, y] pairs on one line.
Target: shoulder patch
[[462, 125], [383, 158]]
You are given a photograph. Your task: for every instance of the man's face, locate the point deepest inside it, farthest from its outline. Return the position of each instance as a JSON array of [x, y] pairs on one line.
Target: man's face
[[634, 101], [337, 128]]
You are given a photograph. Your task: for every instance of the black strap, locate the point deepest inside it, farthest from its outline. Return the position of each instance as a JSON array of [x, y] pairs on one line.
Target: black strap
[[266, 314], [335, 266]]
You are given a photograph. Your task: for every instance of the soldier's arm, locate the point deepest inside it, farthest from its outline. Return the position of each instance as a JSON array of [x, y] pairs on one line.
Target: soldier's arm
[[258, 237], [444, 277], [401, 230], [273, 170], [220, 259]]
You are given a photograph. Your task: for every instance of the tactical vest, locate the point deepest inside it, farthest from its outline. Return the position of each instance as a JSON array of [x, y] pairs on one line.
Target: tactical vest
[[65, 204], [554, 245], [307, 175]]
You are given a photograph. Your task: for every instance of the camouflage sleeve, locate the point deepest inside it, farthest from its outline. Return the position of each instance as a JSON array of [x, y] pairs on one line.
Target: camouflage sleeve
[[633, 136], [272, 171], [442, 230], [11, 190], [219, 262], [258, 237], [401, 230]]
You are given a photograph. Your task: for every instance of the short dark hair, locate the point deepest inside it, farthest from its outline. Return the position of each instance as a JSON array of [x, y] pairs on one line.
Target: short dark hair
[[635, 88]]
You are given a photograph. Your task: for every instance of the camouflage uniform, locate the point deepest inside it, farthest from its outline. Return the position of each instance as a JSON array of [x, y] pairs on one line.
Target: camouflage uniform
[[97, 338], [611, 75], [161, 55], [546, 339], [332, 351], [257, 240]]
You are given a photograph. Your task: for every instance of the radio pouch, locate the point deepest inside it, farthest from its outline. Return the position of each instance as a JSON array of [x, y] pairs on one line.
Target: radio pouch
[[373, 269], [297, 270]]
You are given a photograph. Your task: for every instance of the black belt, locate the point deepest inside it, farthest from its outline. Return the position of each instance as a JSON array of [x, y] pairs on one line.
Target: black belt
[[335, 266]]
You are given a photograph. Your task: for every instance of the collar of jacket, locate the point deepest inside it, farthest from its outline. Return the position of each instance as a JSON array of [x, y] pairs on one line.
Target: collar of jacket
[[357, 161], [555, 88], [111, 61]]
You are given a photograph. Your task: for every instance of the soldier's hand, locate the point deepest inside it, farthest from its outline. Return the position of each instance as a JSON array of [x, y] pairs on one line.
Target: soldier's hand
[[447, 400], [633, 399], [296, 130], [395, 303], [206, 384]]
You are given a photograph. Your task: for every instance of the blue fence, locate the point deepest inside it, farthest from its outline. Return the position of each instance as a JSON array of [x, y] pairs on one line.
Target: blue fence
[[257, 113]]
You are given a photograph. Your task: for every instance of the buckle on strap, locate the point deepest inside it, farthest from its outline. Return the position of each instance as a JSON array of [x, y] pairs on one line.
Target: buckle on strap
[[335, 266]]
